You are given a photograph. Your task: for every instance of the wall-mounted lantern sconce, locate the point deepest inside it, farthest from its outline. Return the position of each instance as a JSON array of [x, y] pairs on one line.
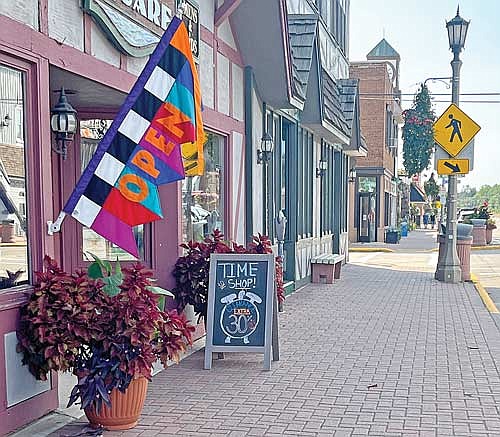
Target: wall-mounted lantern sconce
[[63, 124], [6, 121], [265, 152], [352, 175], [321, 170]]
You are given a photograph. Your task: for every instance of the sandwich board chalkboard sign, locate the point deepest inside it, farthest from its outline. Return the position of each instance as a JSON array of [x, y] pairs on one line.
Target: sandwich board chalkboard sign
[[240, 305]]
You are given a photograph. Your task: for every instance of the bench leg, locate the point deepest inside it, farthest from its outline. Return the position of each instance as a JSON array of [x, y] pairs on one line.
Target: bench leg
[[338, 266]]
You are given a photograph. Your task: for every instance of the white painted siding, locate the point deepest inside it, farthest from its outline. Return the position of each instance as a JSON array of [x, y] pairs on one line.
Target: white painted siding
[[238, 189], [238, 92], [258, 195], [225, 33], [207, 74], [101, 47], [25, 11], [66, 22], [207, 8], [223, 92], [135, 65]]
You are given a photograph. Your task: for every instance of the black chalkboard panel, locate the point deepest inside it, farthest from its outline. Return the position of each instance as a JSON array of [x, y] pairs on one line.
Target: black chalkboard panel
[[240, 303]]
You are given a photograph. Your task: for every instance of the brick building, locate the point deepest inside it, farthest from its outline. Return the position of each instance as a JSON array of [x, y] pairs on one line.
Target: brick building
[[376, 205]]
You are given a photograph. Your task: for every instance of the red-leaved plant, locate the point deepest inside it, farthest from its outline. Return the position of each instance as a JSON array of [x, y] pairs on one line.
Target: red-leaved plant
[[191, 271], [70, 324]]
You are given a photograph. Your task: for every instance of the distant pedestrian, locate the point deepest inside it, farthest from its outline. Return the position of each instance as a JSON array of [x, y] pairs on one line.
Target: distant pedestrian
[[433, 220], [426, 220]]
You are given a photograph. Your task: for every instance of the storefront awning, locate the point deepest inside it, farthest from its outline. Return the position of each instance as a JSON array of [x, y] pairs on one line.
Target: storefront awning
[[261, 29], [416, 194]]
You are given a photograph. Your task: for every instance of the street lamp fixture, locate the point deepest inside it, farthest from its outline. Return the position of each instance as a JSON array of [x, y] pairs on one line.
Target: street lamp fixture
[[457, 32], [352, 175], [321, 170], [265, 152], [63, 124]]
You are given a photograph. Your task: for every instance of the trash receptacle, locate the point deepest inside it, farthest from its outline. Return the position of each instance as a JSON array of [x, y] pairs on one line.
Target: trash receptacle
[[463, 251], [404, 229]]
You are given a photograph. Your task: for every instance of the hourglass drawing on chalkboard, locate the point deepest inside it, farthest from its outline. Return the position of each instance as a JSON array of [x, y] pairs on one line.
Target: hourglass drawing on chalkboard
[[240, 315]]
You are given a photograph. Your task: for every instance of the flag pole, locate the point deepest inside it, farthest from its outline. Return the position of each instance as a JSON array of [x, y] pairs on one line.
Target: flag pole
[[54, 227]]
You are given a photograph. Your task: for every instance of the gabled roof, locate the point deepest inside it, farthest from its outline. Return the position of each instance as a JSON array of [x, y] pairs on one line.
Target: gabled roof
[[349, 97], [332, 104], [383, 50], [302, 30]]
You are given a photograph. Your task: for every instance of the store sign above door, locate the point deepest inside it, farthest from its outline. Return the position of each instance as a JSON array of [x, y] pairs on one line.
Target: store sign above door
[[135, 26]]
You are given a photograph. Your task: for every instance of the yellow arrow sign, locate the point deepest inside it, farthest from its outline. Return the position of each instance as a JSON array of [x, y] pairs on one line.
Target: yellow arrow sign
[[454, 130], [452, 166]]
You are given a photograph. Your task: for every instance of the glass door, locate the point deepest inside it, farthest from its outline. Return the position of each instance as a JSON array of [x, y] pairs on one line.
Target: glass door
[[364, 209]]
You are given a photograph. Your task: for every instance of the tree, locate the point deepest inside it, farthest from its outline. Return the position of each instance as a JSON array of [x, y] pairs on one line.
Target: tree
[[431, 188], [418, 133]]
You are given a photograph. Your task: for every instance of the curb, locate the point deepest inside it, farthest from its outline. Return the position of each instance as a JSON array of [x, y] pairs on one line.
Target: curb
[[488, 302], [489, 247], [370, 249]]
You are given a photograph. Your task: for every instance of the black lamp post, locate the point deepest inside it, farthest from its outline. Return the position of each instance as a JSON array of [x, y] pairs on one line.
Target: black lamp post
[[448, 269], [63, 124]]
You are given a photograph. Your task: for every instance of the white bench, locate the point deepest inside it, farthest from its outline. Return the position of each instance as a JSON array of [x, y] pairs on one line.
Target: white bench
[[326, 267]]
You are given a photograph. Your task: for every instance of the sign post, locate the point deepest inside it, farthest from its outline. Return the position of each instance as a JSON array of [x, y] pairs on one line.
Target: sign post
[[241, 305]]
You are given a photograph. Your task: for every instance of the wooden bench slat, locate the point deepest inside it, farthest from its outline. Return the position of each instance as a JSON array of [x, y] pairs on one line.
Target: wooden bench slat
[[327, 258]]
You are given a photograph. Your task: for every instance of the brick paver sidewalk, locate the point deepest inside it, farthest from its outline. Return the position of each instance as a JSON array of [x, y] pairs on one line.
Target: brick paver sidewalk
[[380, 352]]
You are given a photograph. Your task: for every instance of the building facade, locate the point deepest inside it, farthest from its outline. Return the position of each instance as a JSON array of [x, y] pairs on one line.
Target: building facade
[[375, 190], [307, 174], [289, 80], [95, 50]]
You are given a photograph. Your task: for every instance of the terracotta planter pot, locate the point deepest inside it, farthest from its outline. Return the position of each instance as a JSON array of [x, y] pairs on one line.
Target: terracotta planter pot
[[125, 407], [489, 235]]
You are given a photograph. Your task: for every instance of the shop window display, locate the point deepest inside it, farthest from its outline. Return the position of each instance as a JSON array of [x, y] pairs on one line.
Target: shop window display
[[14, 262], [203, 196]]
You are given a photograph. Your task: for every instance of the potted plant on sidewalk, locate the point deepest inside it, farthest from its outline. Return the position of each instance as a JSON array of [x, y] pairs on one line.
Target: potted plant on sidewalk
[[490, 226], [109, 337], [191, 271]]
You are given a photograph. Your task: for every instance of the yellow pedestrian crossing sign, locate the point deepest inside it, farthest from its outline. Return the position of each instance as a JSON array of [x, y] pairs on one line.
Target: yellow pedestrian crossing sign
[[454, 130]]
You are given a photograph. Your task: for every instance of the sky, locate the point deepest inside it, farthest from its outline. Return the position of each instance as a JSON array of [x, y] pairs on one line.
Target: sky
[[417, 30]]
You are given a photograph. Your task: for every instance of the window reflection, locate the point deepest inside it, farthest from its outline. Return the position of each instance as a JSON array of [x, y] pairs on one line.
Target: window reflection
[[91, 133], [203, 196], [13, 239]]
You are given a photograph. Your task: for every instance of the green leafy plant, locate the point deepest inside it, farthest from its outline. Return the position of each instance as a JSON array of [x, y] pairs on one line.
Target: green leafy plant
[[191, 271], [431, 188], [105, 338], [418, 133]]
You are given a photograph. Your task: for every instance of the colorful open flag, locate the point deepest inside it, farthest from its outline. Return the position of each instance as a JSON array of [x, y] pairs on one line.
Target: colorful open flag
[[142, 148]]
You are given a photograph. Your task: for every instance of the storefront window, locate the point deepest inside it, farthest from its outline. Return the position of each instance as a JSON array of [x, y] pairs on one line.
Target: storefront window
[[203, 196], [91, 132], [14, 265]]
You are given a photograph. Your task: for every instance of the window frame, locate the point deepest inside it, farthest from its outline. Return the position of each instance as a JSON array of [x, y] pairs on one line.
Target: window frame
[[38, 169]]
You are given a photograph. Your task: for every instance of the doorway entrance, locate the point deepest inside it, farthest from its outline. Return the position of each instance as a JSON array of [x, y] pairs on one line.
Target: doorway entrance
[[367, 218]]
